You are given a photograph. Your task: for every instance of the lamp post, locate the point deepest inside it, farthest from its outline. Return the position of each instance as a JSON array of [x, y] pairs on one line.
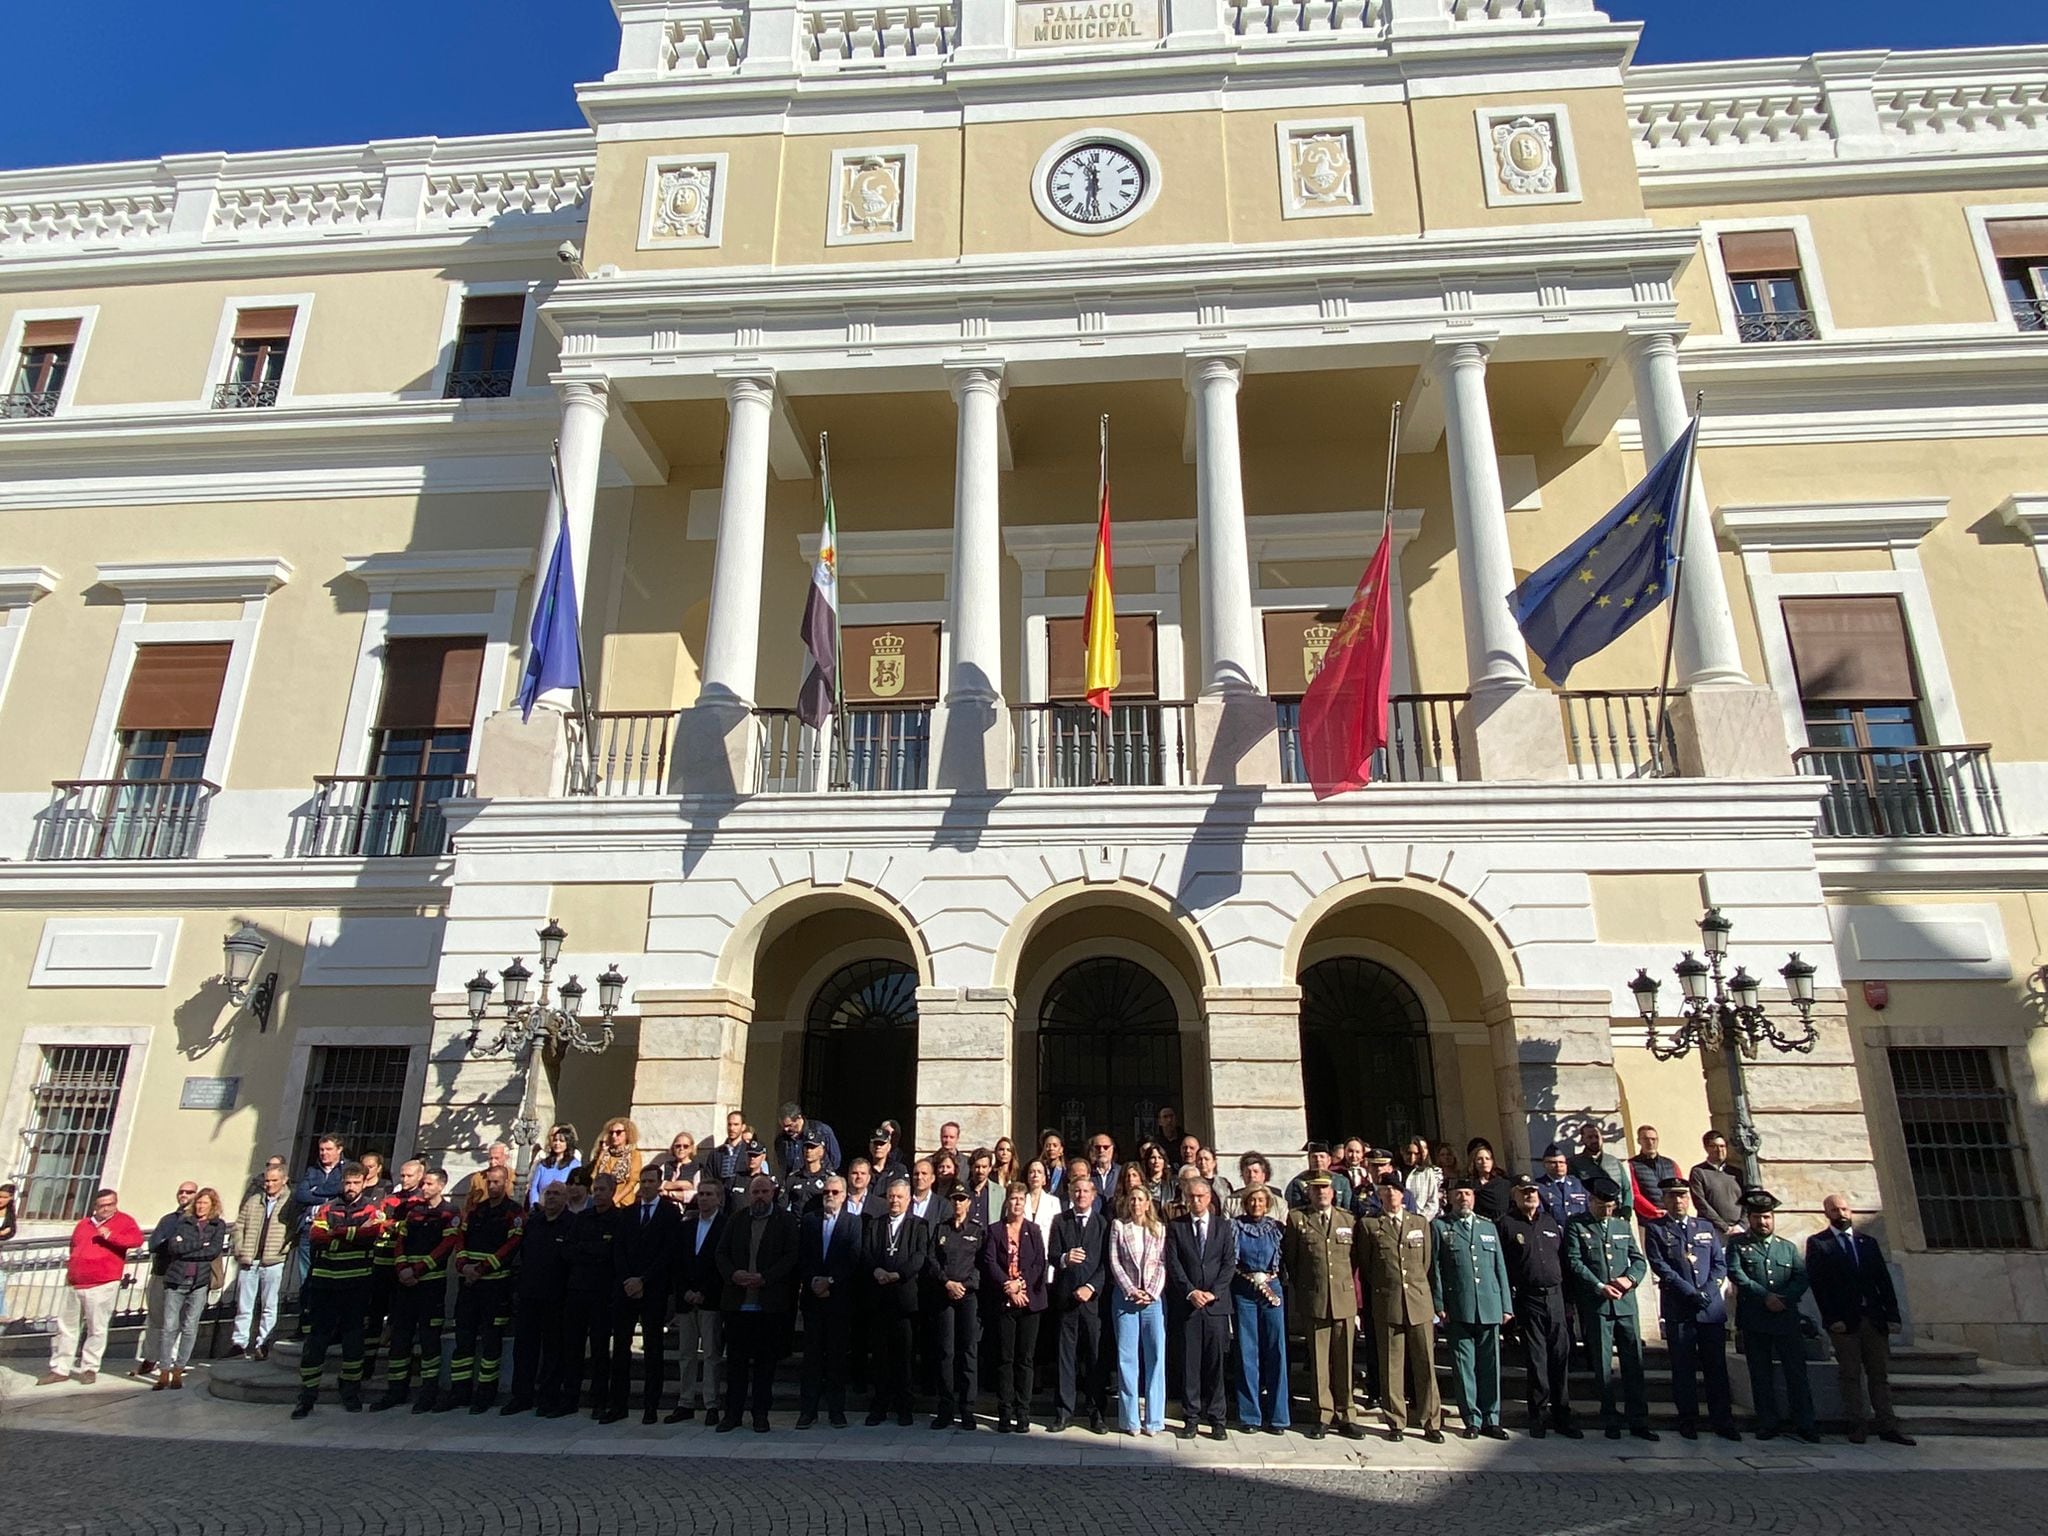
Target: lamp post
[[539, 1025], [1726, 1014]]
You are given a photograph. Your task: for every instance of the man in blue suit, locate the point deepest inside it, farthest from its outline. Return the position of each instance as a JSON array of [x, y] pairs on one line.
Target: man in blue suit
[[1691, 1265], [827, 1259]]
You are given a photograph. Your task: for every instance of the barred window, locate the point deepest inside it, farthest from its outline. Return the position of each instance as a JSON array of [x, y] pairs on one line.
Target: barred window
[[1966, 1160], [71, 1117], [356, 1092]]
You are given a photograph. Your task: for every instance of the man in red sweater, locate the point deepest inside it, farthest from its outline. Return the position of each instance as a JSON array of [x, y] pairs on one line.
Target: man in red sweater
[[100, 1246]]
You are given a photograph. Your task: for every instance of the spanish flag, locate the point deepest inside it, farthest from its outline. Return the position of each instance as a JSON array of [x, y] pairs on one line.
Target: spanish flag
[[1103, 669]]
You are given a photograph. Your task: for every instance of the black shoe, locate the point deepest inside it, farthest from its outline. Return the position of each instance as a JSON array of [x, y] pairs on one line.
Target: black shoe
[[680, 1415], [1688, 1433], [303, 1406], [806, 1419], [729, 1423], [1613, 1432], [876, 1417], [1808, 1437], [1729, 1432], [1396, 1436], [1767, 1434], [1097, 1424], [1351, 1431], [1273, 1429], [1315, 1432], [836, 1419], [650, 1416], [1538, 1430], [1896, 1437], [612, 1416], [459, 1398], [515, 1405], [351, 1399], [905, 1419], [424, 1403], [760, 1423], [1468, 1433], [1218, 1432], [943, 1419], [968, 1424], [1494, 1432], [1571, 1431], [393, 1396], [1433, 1436], [1059, 1424], [1186, 1431], [1644, 1432]]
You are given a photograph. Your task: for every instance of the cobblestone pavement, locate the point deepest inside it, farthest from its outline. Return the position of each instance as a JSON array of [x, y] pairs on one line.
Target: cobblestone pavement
[[91, 1485]]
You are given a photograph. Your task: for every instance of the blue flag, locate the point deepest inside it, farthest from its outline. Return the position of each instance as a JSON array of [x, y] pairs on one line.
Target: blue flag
[[1618, 571], [554, 651]]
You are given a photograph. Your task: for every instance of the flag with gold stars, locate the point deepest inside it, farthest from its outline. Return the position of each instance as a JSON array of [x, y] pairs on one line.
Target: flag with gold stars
[[1622, 567]]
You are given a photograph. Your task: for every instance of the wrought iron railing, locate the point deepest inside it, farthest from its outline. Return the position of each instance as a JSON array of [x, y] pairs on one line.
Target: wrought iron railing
[[1069, 746], [32, 1272], [1777, 325], [1422, 740], [1906, 791], [479, 384], [630, 753], [2029, 314], [123, 819], [28, 403], [1612, 734], [888, 746], [247, 395], [380, 815]]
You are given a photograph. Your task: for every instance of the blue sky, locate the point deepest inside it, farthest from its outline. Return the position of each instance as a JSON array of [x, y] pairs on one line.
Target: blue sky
[[266, 74]]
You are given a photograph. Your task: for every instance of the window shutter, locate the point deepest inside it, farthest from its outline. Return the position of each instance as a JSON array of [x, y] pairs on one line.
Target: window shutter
[[481, 309], [1760, 250], [175, 687], [265, 324], [431, 683], [1850, 650], [49, 333], [1137, 644], [2019, 239]]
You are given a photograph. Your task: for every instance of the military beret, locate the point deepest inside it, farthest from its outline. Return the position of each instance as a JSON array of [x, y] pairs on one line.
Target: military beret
[[1601, 1187], [1318, 1146], [1674, 1182], [1525, 1182], [1759, 1200], [1555, 1149]]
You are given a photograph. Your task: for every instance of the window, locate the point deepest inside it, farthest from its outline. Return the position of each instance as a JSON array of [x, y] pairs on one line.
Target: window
[[1066, 739], [1365, 1058], [486, 346], [1957, 1118], [421, 753], [44, 360], [860, 1048], [2020, 247], [256, 359], [1108, 1052], [71, 1117], [1765, 283], [356, 1092], [156, 806]]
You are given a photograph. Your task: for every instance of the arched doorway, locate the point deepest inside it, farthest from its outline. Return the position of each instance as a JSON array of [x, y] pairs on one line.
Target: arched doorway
[[1108, 1051], [1365, 1060], [860, 1051]]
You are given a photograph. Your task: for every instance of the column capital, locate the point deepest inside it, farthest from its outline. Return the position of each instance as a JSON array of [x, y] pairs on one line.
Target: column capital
[[1650, 337], [583, 389], [1202, 365], [1464, 348], [975, 375], [746, 382]]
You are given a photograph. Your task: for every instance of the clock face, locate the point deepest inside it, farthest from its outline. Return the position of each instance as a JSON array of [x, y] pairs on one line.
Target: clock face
[[1095, 183]]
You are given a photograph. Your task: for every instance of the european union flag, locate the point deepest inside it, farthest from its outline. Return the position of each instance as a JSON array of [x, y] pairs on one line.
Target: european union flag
[[554, 649], [1618, 571]]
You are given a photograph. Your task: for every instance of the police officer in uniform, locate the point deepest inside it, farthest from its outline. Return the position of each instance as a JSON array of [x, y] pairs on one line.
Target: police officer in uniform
[[955, 1264], [1394, 1261], [1606, 1266], [1469, 1284], [1691, 1265], [1533, 1241], [425, 1241], [344, 1233], [805, 1186], [1770, 1277], [1316, 1256]]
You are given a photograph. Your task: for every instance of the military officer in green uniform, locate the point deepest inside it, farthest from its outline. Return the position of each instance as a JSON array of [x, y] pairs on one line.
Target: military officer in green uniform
[[1606, 1266], [1316, 1257], [1770, 1277], [1469, 1284], [1393, 1258]]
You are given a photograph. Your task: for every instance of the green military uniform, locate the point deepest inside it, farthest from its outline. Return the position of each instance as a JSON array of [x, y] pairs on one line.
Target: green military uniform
[[1469, 1284], [1394, 1256], [1597, 1252], [1316, 1258], [1762, 1267]]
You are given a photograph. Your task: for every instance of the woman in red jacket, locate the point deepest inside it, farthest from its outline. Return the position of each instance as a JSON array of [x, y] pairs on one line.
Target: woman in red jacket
[[100, 1246]]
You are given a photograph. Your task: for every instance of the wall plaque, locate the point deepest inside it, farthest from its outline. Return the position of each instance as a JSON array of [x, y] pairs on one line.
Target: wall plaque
[[209, 1093], [1086, 23]]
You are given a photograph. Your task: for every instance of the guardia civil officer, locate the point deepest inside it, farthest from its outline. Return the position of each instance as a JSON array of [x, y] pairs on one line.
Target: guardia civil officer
[[1469, 1285], [1770, 1277], [1691, 1265], [1533, 1242], [1606, 1266]]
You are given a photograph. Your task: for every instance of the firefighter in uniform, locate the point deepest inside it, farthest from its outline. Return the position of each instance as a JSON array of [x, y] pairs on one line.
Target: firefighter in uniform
[[490, 1232], [1316, 1257], [343, 1233], [1533, 1243], [1691, 1265], [421, 1235], [1606, 1266]]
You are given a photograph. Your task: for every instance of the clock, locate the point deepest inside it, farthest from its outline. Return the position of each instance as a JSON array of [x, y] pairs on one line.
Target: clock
[[1095, 183]]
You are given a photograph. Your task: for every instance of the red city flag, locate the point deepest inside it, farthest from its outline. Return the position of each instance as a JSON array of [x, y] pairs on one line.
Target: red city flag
[[1344, 712]]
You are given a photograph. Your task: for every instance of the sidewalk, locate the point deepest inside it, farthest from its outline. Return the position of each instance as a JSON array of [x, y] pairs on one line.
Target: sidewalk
[[119, 1406]]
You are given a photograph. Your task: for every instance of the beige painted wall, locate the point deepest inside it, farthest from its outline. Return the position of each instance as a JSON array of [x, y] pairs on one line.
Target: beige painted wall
[[1452, 176]]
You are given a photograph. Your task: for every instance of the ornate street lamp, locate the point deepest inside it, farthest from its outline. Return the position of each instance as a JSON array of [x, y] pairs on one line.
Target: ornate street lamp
[[1727, 1015], [240, 951], [541, 1025]]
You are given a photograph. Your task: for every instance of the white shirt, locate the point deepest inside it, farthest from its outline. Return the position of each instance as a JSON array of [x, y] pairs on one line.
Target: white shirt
[[829, 1220], [703, 1232]]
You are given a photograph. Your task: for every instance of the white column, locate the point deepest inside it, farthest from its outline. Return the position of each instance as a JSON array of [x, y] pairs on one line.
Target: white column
[[732, 641], [1495, 658], [1707, 652], [971, 727], [1229, 632], [586, 403]]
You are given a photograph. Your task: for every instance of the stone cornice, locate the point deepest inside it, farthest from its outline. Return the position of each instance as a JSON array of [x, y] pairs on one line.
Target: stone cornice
[[225, 883]]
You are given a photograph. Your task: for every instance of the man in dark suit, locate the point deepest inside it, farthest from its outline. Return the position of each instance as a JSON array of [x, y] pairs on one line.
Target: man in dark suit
[[828, 1252], [647, 1235], [697, 1288], [757, 1263], [1201, 1259], [1852, 1286], [1080, 1291], [896, 1247]]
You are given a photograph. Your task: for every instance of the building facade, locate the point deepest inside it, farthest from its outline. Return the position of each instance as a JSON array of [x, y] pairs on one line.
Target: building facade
[[274, 495]]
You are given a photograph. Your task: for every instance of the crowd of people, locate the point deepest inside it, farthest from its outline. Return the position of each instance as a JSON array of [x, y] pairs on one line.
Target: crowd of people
[[1119, 1281]]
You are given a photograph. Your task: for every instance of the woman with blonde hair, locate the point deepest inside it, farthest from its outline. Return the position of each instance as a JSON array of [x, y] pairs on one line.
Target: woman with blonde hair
[[618, 1152], [200, 1237], [1137, 1263]]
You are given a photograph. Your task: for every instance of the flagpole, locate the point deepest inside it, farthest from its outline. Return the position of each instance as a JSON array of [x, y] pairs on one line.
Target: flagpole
[[1393, 457], [1102, 768], [840, 778], [583, 713], [1699, 402]]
